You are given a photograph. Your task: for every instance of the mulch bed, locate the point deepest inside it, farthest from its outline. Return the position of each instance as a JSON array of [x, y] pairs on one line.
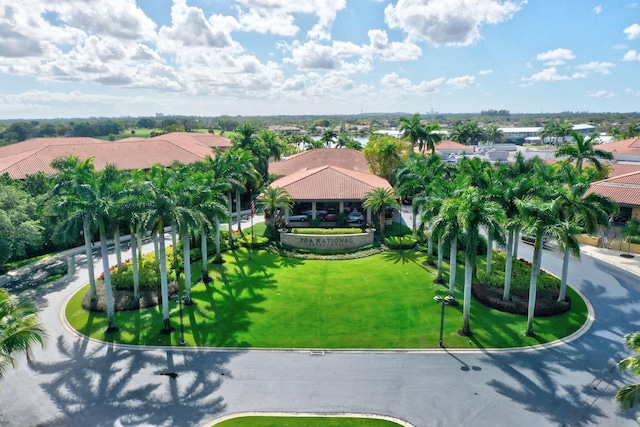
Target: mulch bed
[[547, 303], [123, 298]]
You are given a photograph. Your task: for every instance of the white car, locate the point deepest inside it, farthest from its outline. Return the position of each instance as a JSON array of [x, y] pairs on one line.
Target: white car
[[298, 218], [355, 217]]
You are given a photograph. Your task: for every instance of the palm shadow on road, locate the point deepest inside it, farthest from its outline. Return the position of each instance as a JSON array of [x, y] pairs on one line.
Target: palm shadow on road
[[110, 385]]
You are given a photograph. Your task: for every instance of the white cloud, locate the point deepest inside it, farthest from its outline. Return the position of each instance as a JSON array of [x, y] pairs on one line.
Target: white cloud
[[619, 46], [485, 72], [447, 22], [462, 82], [551, 75], [394, 51], [191, 30], [314, 56], [275, 23], [602, 94], [597, 67], [399, 86], [632, 92], [278, 12], [556, 56], [597, 10], [632, 55], [632, 31]]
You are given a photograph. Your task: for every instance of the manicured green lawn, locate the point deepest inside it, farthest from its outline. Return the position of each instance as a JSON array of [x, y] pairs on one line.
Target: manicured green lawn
[[383, 301], [305, 422]]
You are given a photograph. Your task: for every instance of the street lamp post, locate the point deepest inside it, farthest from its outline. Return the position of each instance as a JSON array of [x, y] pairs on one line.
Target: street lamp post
[[448, 300], [178, 298]]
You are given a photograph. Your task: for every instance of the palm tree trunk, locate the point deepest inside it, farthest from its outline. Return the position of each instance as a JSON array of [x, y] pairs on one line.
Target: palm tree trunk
[[489, 252], [164, 282], [230, 208], [107, 279], [205, 257], [174, 247], [218, 252], [533, 284], [139, 233], [134, 265], [565, 273], [186, 247], [430, 249], [156, 246], [440, 257], [415, 220], [506, 296], [466, 308], [116, 241], [238, 211], [516, 239], [453, 255], [89, 253], [381, 218]]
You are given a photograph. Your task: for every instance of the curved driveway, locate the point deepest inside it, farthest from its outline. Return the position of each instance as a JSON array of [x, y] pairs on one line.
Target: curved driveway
[[77, 382]]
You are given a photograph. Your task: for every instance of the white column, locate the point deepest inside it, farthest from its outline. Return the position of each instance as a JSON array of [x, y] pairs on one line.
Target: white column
[[313, 210], [368, 215], [341, 208]]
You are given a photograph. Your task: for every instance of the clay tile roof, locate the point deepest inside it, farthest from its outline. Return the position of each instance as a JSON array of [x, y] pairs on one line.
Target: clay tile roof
[[35, 155], [340, 157], [330, 183], [622, 189], [623, 147], [447, 144]]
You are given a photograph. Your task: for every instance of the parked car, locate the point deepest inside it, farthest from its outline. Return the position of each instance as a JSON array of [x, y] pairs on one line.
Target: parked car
[[355, 217], [330, 217], [320, 213], [527, 238], [298, 218]]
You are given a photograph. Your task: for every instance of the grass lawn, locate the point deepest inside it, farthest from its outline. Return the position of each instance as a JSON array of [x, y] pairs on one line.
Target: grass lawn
[[383, 301], [305, 422]]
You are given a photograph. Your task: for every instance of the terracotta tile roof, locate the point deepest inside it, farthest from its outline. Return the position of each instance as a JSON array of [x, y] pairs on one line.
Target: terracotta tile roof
[[617, 169], [447, 144], [345, 158], [624, 147], [330, 183], [622, 189], [35, 155]]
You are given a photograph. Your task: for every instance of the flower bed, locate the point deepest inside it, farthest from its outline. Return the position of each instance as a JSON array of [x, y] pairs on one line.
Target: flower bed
[[325, 231], [547, 303]]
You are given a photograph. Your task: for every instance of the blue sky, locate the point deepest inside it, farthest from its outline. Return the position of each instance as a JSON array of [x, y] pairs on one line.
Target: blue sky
[[84, 58]]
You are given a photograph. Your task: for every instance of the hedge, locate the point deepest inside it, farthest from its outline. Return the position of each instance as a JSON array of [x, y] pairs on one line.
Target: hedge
[[325, 231]]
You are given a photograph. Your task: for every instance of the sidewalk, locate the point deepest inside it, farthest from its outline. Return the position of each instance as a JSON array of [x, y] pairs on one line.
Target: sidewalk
[[612, 256]]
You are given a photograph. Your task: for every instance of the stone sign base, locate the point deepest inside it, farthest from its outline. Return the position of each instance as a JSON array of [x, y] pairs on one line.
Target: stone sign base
[[326, 241]]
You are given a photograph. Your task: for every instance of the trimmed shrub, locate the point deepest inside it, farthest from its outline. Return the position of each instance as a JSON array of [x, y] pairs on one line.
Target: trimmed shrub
[[325, 254], [253, 242], [325, 231], [547, 303], [521, 274]]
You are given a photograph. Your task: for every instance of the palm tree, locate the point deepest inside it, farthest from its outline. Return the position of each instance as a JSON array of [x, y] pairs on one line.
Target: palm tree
[[446, 226], [346, 141], [493, 134], [241, 166], [72, 174], [271, 200], [474, 211], [328, 137], [378, 200], [412, 129], [579, 214], [431, 137], [550, 131], [413, 178], [271, 141], [540, 216], [563, 130], [628, 396], [584, 150], [19, 329]]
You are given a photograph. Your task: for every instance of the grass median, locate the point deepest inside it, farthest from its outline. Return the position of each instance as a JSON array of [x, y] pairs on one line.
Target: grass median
[[261, 300]]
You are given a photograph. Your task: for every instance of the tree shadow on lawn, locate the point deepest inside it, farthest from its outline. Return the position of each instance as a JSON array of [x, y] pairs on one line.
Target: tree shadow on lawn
[[108, 385], [401, 256], [227, 303], [544, 380]]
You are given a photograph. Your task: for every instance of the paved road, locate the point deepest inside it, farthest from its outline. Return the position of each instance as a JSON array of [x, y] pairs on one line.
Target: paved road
[[76, 382]]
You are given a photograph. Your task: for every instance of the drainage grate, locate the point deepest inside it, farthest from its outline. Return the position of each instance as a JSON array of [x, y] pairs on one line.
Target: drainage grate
[[317, 353]]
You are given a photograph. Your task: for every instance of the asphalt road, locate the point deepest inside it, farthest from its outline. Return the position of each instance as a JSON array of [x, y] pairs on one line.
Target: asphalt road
[[78, 382]]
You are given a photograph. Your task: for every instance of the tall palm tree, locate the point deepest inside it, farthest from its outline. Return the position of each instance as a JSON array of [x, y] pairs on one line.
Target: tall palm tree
[[19, 329], [328, 137], [271, 200], [580, 214], [413, 177], [241, 166], [72, 174], [346, 141], [584, 150], [628, 396], [431, 137], [378, 200], [412, 129], [493, 134], [446, 226], [474, 211], [563, 130], [271, 141], [540, 216]]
